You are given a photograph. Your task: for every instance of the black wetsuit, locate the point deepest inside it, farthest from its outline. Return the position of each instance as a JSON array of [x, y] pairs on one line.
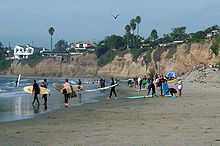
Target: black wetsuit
[[112, 90], [36, 91], [151, 86]]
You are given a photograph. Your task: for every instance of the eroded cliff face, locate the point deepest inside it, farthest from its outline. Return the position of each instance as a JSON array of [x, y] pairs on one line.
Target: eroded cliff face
[[123, 66], [84, 65], [180, 59]]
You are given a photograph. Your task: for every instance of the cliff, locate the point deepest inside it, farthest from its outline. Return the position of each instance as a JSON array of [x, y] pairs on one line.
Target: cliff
[[84, 65], [181, 58]]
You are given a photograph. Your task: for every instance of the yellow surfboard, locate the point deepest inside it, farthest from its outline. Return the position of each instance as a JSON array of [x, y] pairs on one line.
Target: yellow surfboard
[[28, 89], [172, 81]]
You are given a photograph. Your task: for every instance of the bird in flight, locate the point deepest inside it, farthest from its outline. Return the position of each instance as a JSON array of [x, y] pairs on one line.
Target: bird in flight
[[115, 16]]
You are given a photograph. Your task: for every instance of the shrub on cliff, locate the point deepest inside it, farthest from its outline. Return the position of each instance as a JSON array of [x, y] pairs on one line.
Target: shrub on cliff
[[32, 60], [215, 45], [137, 52], [197, 37], [4, 64], [106, 58]]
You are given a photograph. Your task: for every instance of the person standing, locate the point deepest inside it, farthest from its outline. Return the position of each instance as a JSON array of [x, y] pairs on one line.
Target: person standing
[[151, 86], [140, 83], [44, 96], [79, 82], [180, 87], [112, 89], [66, 91], [161, 81], [79, 94], [35, 92]]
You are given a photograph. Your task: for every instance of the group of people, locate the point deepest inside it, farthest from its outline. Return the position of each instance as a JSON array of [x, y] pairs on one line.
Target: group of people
[[36, 92], [67, 91], [156, 83]]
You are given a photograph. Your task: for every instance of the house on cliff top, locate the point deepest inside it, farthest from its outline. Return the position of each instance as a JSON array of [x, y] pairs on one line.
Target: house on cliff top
[[23, 52]]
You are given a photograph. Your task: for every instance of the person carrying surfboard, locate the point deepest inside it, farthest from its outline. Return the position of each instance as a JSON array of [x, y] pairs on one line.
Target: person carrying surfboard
[[44, 96], [35, 92], [66, 90], [112, 89]]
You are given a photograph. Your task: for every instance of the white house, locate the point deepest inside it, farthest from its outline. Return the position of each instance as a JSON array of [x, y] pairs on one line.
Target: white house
[[213, 33], [83, 46], [22, 52]]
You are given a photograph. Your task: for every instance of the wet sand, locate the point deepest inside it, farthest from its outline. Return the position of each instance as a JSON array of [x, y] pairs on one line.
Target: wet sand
[[191, 120]]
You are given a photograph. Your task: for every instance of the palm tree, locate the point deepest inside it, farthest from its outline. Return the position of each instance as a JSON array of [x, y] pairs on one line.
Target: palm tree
[[133, 25], [127, 35], [127, 29], [51, 32], [138, 21]]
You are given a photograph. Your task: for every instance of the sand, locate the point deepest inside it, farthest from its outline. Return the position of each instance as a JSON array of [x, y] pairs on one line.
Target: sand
[[191, 120]]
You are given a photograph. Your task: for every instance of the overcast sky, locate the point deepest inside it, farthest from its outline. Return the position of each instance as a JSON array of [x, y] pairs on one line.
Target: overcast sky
[[24, 21]]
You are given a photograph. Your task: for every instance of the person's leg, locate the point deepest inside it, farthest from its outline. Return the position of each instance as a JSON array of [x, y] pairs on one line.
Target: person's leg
[[180, 92], [148, 92], [45, 100], [161, 90], [34, 100], [68, 96], [38, 102], [65, 98], [114, 92], [110, 96], [153, 90]]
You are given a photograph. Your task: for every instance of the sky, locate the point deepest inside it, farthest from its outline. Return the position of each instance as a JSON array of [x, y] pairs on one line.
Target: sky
[[27, 21]]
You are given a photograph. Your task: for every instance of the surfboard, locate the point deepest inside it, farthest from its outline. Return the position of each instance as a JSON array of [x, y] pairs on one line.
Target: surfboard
[[143, 89], [169, 95], [172, 81], [135, 97], [18, 80], [99, 89], [28, 89]]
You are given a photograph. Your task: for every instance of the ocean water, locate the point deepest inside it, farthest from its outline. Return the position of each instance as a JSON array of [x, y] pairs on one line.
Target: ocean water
[[15, 104]]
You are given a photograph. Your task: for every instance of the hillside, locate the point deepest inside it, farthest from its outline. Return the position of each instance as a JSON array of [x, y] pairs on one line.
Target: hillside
[[181, 58]]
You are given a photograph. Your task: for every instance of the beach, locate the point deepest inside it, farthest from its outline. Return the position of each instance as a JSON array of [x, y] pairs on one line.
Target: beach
[[191, 120]]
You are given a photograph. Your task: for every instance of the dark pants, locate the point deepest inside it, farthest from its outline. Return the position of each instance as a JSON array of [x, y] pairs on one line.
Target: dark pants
[[45, 99], [36, 98], [66, 98], [140, 85], [180, 92], [112, 91], [153, 89], [161, 90]]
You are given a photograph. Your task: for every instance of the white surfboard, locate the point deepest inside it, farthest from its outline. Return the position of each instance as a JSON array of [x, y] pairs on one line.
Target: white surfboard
[[99, 89], [135, 97], [18, 80]]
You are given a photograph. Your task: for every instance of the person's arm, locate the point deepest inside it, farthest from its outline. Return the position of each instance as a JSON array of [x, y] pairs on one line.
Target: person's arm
[[33, 90]]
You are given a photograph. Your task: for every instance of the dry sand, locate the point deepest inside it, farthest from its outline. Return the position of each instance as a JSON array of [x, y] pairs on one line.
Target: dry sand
[[191, 120]]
